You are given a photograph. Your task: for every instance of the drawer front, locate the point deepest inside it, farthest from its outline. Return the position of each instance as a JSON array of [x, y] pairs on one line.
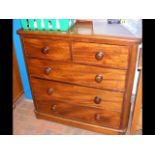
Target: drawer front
[[47, 49], [101, 54], [80, 113], [67, 93], [91, 76]]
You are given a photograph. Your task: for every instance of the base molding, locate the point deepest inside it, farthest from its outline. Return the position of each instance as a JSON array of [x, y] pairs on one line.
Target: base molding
[[91, 127]]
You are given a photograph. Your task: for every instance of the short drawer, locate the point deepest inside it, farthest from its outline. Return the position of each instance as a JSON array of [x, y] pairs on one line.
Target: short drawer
[[80, 113], [47, 49], [90, 76], [66, 93], [101, 54]]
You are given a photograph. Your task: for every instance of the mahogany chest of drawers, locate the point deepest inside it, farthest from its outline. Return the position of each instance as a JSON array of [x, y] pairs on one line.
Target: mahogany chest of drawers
[[81, 78]]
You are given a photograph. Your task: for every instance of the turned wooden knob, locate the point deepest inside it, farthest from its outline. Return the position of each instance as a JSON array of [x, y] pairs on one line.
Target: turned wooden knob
[[97, 117], [48, 70], [45, 50], [49, 91], [98, 78], [99, 55], [53, 107], [97, 100]]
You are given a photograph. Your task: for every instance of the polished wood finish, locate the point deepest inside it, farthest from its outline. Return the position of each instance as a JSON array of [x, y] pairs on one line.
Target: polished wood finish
[[80, 113], [136, 123], [47, 49], [67, 93], [17, 84], [82, 77], [97, 77], [101, 54]]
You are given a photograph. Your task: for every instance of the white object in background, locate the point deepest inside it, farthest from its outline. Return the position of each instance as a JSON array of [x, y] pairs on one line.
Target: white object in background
[[42, 23], [57, 24], [134, 26], [70, 22], [35, 24], [102, 27], [98, 22], [136, 72]]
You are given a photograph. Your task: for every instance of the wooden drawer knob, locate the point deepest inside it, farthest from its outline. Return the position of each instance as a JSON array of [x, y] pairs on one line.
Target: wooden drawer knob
[[48, 70], [50, 91], [97, 100], [99, 55], [53, 107], [97, 117], [45, 50], [98, 78]]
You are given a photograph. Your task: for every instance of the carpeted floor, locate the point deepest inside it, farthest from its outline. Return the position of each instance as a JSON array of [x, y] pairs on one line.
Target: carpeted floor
[[25, 123]]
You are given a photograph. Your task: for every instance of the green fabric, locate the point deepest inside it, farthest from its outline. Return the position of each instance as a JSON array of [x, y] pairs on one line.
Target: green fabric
[[31, 24], [54, 27], [64, 24], [39, 26], [24, 24]]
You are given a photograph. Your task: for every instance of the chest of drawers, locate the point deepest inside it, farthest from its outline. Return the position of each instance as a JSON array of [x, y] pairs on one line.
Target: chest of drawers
[[81, 78]]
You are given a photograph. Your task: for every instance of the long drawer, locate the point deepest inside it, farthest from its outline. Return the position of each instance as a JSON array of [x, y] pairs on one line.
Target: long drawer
[[91, 76], [47, 49], [80, 113], [101, 54], [56, 92]]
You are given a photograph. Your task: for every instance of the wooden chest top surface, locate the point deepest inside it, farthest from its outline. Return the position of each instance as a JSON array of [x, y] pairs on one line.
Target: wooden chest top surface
[[85, 30]]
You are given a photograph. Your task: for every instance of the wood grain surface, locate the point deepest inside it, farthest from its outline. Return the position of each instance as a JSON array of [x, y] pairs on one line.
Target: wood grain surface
[[84, 75]]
